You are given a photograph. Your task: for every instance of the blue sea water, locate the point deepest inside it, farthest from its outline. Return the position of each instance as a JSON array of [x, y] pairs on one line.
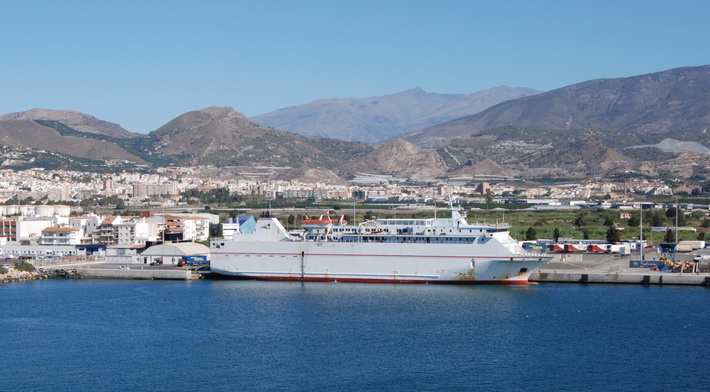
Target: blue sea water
[[101, 335]]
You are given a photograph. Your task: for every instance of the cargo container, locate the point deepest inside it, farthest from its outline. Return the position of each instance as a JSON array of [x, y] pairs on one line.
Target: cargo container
[[534, 247], [194, 260], [622, 249], [689, 246]]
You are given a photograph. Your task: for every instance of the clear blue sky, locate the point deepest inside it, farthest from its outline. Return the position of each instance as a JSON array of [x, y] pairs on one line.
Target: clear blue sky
[[142, 63]]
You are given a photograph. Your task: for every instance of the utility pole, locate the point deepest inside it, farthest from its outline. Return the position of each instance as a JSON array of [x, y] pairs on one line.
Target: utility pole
[[676, 221], [641, 236]]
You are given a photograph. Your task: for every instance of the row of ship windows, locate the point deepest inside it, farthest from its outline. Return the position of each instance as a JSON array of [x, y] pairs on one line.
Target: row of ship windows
[[417, 240], [405, 230]]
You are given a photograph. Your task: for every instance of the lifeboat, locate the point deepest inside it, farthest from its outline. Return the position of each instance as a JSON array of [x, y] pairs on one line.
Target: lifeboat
[[317, 223], [341, 221], [322, 222]]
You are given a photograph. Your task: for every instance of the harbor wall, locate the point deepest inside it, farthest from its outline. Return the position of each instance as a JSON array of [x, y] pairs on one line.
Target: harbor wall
[[142, 274], [641, 277]]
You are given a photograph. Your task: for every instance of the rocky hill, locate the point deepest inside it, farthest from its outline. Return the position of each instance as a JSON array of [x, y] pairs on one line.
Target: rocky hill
[[520, 152], [224, 137], [677, 100], [76, 120], [399, 158], [32, 135], [375, 119], [216, 136]]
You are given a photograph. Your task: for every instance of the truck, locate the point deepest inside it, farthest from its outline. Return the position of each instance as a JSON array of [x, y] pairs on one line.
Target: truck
[[689, 246], [193, 260], [622, 249]]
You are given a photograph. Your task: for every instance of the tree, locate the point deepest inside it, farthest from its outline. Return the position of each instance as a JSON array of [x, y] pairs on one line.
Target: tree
[[291, 220], [633, 221], [556, 234], [585, 233], [656, 219], [669, 237], [531, 234], [608, 222], [613, 235], [701, 236], [682, 220], [705, 223], [580, 220], [368, 215], [670, 212], [489, 196]]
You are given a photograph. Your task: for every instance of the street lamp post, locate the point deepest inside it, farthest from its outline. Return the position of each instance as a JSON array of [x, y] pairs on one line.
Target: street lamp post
[[641, 235], [676, 221]]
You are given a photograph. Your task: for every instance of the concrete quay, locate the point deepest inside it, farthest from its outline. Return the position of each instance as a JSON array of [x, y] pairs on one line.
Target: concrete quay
[[140, 274], [611, 269]]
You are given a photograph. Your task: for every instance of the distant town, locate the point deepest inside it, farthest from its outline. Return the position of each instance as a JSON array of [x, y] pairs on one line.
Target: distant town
[[167, 185], [50, 214]]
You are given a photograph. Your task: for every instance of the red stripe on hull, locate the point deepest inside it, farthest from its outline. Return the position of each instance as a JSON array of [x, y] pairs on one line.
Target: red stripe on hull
[[362, 280], [526, 258]]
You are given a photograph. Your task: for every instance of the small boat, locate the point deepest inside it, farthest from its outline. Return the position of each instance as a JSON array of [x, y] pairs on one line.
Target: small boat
[[322, 222]]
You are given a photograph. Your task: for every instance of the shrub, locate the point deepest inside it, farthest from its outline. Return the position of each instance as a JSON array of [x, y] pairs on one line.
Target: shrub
[[531, 234], [3, 271], [26, 267]]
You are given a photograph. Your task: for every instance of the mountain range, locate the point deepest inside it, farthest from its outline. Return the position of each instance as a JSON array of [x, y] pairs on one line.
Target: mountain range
[[375, 119], [652, 125], [677, 100]]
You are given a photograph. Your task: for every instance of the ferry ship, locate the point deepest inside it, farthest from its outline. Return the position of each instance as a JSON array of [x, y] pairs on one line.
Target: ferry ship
[[433, 250]]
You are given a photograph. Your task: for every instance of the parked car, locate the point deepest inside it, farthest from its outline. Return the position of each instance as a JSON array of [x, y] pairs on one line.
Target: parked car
[[6, 266], [124, 267]]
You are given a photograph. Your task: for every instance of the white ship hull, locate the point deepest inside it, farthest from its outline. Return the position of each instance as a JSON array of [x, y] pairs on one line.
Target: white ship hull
[[373, 262], [447, 250]]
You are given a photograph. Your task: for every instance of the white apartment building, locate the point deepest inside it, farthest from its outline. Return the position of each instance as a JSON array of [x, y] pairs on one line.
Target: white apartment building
[[195, 228], [136, 232], [86, 225], [117, 230], [60, 236], [30, 231]]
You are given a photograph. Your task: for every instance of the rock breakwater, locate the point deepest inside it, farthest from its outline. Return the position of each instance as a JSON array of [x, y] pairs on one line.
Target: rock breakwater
[[13, 275]]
